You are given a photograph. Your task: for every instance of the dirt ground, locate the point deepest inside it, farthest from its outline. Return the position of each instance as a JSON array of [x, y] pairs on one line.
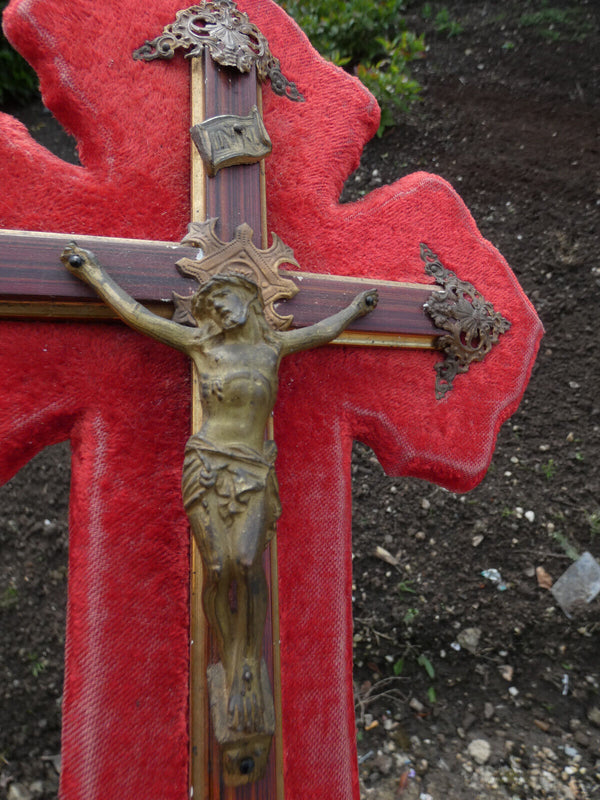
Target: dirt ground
[[463, 689]]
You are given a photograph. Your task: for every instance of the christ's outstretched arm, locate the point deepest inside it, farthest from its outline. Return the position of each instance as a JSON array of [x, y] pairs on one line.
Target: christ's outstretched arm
[[327, 330], [83, 264]]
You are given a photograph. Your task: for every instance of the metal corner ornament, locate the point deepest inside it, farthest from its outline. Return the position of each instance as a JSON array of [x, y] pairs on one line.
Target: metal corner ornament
[[230, 37], [473, 326]]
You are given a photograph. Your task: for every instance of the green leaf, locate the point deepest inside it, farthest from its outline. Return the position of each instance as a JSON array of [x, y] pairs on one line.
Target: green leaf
[[424, 662]]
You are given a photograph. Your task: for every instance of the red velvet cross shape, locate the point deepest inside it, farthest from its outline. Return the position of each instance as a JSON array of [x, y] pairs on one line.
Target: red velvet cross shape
[[122, 400]]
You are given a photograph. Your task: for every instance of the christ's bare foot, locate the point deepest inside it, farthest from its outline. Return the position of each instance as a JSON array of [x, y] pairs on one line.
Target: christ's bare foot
[[245, 708]]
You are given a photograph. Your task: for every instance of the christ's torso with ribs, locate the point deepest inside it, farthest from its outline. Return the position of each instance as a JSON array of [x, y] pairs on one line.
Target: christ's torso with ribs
[[238, 389]]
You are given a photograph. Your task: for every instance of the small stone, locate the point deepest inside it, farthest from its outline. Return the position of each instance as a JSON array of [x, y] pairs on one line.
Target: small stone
[[513, 691], [544, 580], [385, 555], [488, 710], [578, 585], [425, 504], [469, 639], [17, 791], [530, 516], [479, 750], [416, 705], [468, 721], [422, 766], [582, 738], [374, 777], [383, 764], [477, 540], [594, 716]]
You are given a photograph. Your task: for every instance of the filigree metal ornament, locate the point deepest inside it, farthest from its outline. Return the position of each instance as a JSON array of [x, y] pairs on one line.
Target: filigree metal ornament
[[240, 256], [472, 323], [230, 139], [233, 41]]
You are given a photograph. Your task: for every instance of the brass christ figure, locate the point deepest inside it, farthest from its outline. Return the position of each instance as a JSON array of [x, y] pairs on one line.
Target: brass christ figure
[[230, 489]]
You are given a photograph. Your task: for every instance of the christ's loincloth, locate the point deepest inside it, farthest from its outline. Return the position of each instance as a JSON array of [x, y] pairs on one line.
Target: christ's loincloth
[[233, 474]]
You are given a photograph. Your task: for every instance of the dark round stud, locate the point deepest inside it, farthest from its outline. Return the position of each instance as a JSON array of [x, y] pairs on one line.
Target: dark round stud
[[246, 765], [76, 261]]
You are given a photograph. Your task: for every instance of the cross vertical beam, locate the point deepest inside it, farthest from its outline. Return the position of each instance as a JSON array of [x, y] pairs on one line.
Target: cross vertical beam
[[234, 195]]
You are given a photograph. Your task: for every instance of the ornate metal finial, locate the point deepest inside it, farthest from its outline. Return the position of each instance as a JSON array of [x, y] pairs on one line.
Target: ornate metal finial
[[240, 256], [233, 41], [472, 323]]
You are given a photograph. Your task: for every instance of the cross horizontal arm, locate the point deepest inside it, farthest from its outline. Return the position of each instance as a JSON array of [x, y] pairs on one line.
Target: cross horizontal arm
[[34, 284]]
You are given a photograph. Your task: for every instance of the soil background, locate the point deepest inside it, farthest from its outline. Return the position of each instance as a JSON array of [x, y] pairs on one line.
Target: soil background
[[464, 688]]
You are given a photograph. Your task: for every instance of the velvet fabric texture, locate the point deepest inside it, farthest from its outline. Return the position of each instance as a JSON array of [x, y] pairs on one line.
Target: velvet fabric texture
[[123, 400]]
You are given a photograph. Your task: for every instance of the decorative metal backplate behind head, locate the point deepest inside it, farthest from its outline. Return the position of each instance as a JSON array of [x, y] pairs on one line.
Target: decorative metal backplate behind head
[[238, 257], [472, 323], [233, 41]]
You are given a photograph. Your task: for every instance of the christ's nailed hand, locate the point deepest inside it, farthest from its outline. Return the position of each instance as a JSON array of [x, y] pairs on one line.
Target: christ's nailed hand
[[78, 261], [366, 301]]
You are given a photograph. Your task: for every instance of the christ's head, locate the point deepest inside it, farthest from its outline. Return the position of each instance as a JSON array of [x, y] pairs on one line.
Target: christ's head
[[226, 299]]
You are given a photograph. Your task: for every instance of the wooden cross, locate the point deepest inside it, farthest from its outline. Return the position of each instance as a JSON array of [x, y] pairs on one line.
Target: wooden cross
[[416, 328]]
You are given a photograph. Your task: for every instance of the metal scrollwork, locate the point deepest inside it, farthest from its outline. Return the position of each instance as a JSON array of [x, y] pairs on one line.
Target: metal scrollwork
[[472, 323], [233, 41]]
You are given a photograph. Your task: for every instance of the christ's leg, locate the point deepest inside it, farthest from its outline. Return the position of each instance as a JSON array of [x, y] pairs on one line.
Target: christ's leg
[[218, 576], [246, 706]]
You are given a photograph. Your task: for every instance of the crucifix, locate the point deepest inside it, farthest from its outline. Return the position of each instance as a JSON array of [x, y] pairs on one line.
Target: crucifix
[[416, 327]]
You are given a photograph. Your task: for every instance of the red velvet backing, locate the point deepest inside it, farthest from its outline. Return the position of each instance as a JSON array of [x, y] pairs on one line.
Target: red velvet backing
[[123, 400]]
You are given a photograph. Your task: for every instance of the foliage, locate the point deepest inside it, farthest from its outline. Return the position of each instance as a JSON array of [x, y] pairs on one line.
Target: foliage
[[369, 40], [424, 662], [553, 23], [9, 597], [410, 615], [18, 82], [549, 469], [37, 665], [566, 545], [594, 523], [442, 21]]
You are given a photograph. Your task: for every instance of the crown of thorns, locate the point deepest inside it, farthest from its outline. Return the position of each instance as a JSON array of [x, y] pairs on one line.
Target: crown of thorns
[[234, 279]]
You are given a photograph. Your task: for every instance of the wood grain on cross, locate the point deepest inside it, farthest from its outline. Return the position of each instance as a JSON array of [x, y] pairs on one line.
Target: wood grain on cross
[[126, 654]]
